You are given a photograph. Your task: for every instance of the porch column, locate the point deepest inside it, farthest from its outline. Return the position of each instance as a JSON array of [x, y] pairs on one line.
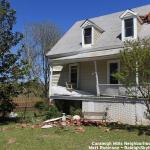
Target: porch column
[[50, 81], [137, 74], [96, 77]]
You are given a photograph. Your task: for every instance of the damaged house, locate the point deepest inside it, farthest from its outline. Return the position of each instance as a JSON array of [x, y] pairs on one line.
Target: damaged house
[[83, 62]]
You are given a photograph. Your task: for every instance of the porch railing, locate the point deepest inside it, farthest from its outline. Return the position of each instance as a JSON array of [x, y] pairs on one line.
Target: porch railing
[[121, 90], [112, 90]]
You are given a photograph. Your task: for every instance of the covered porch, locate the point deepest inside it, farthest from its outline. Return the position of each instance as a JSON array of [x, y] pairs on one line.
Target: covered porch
[[89, 73]]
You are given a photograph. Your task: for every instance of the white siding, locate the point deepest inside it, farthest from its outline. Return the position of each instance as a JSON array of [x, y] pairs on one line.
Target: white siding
[[87, 77], [127, 113]]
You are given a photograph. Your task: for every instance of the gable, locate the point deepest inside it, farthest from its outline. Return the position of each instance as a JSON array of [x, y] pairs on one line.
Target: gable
[[88, 22], [128, 13]]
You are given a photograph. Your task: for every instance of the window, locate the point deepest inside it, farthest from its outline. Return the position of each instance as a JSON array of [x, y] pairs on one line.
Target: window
[[129, 29], [113, 67], [87, 35]]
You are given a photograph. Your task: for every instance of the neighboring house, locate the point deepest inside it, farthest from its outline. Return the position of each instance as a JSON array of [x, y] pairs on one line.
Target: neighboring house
[[87, 56]]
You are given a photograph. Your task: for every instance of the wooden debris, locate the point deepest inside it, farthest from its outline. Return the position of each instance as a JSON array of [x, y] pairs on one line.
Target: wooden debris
[[52, 120], [75, 120], [57, 122], [47, 126]]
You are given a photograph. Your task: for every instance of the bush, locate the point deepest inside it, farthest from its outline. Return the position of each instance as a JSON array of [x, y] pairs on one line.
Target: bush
[[41, 105], [53, 112], [75, 111]]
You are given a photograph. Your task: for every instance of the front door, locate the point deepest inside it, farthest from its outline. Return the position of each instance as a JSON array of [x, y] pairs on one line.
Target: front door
[[113, 67], [73, 69]]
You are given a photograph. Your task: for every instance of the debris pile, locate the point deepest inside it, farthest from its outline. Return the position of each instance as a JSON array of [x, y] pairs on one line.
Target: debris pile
[[51, 123], [71, 121], [62, 121]]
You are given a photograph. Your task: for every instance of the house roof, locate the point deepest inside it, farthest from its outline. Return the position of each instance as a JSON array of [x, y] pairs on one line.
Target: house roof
[[70, 43]]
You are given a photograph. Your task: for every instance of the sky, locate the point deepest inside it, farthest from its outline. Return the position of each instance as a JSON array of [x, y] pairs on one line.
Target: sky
[[64, 13]]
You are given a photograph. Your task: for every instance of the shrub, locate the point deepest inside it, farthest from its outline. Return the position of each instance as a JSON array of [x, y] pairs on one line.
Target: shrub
[[41, 105], [75, 111], [53, 112]]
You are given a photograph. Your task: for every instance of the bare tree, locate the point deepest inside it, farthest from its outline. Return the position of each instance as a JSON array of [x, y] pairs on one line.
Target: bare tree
[[39, 39]]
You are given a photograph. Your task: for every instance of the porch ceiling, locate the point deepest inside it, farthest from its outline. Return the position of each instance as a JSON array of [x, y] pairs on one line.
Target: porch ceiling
[[97, 55]]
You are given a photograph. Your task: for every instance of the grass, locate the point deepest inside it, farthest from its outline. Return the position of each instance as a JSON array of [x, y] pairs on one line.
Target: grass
[[12, 137]]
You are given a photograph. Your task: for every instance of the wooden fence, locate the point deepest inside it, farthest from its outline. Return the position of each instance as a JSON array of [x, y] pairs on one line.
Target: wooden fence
[[26, 102]]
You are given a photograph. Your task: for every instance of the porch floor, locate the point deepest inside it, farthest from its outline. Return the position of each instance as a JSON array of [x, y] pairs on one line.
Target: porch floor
[[63, 91]]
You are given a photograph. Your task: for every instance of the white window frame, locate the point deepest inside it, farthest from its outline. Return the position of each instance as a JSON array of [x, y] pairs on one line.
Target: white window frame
[[108, 69], [70, 65], [92, 37], [134, 28]]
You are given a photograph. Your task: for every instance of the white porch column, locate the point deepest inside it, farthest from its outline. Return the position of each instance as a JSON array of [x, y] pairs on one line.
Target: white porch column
[[137, 78], [137, 74], [97, 80], [50, 81]]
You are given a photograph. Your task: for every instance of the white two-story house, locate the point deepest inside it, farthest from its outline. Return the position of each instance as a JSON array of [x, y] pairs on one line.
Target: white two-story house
[[83, 60]]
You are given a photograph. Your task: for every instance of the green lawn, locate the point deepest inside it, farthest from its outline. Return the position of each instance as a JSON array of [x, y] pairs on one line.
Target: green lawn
[[12, 137]]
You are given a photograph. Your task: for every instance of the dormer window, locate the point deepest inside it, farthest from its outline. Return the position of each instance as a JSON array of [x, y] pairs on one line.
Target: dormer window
[[129, 27], [88, 35], [130, 24]]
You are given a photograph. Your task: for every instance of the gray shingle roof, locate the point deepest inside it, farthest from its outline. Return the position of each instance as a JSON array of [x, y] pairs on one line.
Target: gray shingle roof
[[71, 41]]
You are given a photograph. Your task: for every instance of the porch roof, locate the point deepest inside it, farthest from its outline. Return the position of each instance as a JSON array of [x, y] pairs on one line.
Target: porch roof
[[96, 55]]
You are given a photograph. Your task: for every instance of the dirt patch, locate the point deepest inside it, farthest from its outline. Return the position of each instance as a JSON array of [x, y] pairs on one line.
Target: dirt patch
[[11, 141]]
